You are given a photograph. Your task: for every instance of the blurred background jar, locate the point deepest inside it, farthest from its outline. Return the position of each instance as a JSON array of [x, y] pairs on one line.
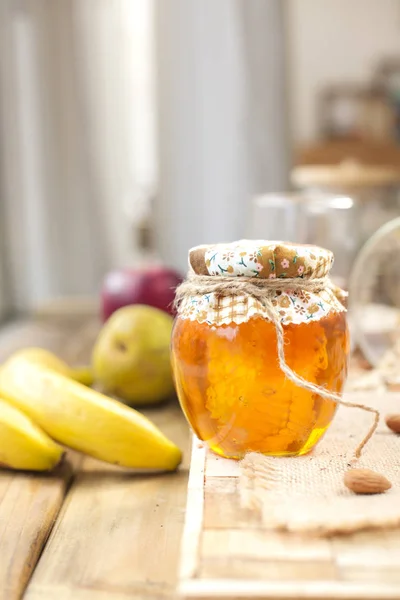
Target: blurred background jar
[[353, 201], [374, 300], [313, 217], [337, 206]]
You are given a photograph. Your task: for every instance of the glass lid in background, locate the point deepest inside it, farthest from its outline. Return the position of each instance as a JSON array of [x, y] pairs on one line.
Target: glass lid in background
[[374, 294]]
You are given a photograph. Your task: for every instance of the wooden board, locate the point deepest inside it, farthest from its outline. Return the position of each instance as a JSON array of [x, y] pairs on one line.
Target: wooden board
[[100, 533], [118, 533], [90, 531], [30, 503], [227, 554]]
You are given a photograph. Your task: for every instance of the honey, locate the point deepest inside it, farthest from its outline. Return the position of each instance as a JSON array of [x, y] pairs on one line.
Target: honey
[[229, 381], [237, 399]]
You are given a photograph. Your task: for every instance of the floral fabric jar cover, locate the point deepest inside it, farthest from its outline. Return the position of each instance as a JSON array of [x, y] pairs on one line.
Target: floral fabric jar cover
[[266, 260]]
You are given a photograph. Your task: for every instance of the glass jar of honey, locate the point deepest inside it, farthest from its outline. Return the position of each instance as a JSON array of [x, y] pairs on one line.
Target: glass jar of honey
[[224, 347]]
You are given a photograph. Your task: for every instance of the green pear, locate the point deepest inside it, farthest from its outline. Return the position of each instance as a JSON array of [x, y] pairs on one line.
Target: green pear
[[131, 357]]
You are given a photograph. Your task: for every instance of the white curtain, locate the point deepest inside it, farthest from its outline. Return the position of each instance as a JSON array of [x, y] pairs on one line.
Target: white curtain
[[76, 139], [78, 97], [222, 118]]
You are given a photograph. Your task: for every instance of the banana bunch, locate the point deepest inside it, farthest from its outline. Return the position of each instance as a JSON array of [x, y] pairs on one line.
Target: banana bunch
[[42, 401]]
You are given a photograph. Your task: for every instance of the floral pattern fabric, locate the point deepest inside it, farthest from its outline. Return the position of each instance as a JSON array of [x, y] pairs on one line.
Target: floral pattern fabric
[[261, 259], [293, 306]]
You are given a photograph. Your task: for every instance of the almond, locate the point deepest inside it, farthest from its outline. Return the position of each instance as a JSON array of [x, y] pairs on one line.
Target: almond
[[364, 481], [393, 422]]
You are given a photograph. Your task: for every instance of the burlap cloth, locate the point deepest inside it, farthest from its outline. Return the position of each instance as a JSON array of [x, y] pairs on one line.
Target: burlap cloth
[[307, 494]]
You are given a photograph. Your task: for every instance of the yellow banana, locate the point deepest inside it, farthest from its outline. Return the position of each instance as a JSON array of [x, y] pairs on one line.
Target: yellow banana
[[51, 361], [82, 375], [84, 419], [23, 445]]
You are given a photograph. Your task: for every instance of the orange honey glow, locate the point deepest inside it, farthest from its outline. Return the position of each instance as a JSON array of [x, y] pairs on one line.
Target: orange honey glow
[[236, 397]]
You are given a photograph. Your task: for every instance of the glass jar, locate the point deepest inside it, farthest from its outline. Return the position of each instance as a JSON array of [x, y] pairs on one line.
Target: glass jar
[[357, 198], [224, 352], [375, 298], [309, 217]]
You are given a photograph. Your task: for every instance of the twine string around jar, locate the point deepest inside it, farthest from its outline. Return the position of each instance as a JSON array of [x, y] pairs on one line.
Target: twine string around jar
[[262, 290]]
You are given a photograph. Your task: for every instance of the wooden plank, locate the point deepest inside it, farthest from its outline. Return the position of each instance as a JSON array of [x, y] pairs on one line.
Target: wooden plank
[[29, 505], [233, 589], [82, 307], [232, 556], [221, 467], [366, 575], [239, 553], [21, 334], [194, 507], [259, 544], [367, 549], [67, 593], [368, 556], [242, 569], [118, 533], [222, 508], [70, 339]]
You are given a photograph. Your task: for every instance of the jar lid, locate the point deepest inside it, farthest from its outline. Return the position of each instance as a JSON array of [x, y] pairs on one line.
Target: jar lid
[[348, 174], [261, 258]]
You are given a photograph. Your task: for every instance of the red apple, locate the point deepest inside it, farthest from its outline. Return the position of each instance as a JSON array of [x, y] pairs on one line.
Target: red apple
[[154, 286]]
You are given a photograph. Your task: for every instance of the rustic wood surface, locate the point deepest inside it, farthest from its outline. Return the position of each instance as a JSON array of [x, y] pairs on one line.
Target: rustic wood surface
[[89, 531], [29, 506], [226, 553]]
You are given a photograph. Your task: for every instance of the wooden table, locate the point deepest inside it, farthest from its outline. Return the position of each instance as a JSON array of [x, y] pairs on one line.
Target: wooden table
[[90, 531], [228, 554]]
